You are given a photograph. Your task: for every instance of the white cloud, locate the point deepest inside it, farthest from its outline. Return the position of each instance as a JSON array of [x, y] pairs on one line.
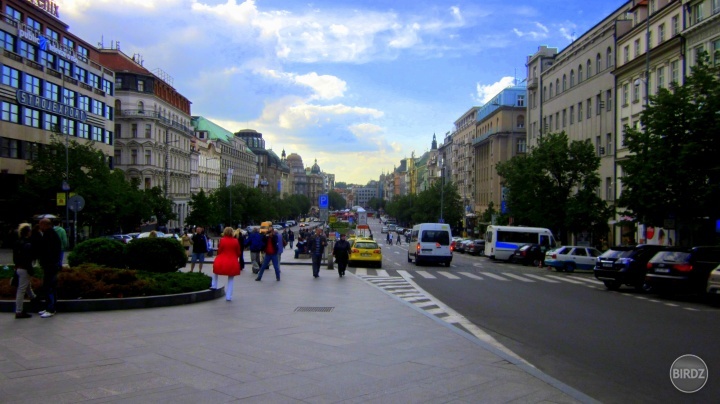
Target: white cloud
[[568, 31], [485, 92], [540, 33], [324, 87], [302, 115]]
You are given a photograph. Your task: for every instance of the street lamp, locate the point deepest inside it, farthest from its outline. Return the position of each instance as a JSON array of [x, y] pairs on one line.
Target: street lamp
[[442, 188]]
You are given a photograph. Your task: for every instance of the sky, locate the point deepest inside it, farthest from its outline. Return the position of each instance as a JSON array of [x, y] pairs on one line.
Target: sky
[[356, 84]]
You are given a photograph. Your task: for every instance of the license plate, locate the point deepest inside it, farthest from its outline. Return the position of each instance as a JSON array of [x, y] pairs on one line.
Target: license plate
[[662, 270], [366, 255], [607, 264]]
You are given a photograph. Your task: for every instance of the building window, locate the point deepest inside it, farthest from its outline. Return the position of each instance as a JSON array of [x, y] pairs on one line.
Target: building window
[[521, 146], [675, 71], [626, 54], [521, 100], [118, 156], [34, 24], [118, 130], [660, 77], [68, 97], [82, 52], [675, 23], [134, 130], [148, 155], [589, 69], [598, 104], [9, 148], [715, 6], [589, 107], [107, 87], [608, 100], [636, 48], [608, 144], [148, 130], [141, 107], [12, 14], [52, 91], [608, 189], [94, 80], [31, 84], [97, 134], [32, 117], [98, 107], [580, 112], [83, 130], [521, 122], [64, 67], [580, 74], [557, 121], [84, 103], [28, 51], [652, 6], [133, 156], [625, 93], [81, 74], [48, 60], [31, 150], [564, 83], [52, 34], [557, 86], [572, 78], [698, 52], [572, 114], [564, 118], [661, 34], [716, 51], [649, 40], [141, 86], [636, 91], [550, 94], [51, 122], [10, 77], [7, 41], [697, 13], [67, 126]]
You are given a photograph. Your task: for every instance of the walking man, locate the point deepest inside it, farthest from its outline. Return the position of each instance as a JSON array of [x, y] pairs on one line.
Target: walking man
[[291, 238], [199, 249], [63, 240], [48, 247], [399, 239], [316, 247], [273, 247], [255, 240], [341, 251]]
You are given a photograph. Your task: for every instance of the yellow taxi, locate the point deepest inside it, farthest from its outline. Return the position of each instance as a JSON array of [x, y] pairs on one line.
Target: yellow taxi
[[364, 250]]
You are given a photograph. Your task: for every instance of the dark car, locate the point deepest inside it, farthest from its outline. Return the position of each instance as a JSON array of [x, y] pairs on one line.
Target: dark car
[[682, 270], [460, 246], [625, 265], [529, 254], [476, 247]]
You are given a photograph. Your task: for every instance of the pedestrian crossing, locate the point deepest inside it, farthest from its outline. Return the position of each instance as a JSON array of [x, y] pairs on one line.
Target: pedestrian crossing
[[478, 276]]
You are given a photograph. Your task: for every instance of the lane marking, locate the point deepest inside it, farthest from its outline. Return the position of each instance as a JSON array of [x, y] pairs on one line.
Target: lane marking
[[518, 277], [560, 278], [478, 265], [405, 274], [595, 281], [424, 274], [471, 276], [360, 271], [448, 275], [492, 275], [382, 272], [541, 278]]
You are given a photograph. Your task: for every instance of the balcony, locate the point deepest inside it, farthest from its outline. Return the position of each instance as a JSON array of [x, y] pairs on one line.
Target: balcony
[[532, 83]]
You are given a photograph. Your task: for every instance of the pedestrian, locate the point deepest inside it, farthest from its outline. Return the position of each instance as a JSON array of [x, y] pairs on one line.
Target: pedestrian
[[47, 248], [399, 239], [388, 238], [23, 258], [291, 238], [63, 240], [153, 234], [285, 238], [256, 245], [341, 251], [273, 247], [199, 249], [228, 261], [186, 242], [316, 247], [301, 247]]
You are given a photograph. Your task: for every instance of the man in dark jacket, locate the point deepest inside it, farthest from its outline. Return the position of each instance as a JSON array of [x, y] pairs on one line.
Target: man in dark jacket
[[341, 251], [47, 248], [199, 249], [273, 247], [255, 241], [316, 248]]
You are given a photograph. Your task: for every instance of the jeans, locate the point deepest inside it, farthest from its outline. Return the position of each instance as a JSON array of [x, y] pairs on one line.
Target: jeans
[[266, 264], [23, 288], [50, 289], [255, 259], [316, 260]]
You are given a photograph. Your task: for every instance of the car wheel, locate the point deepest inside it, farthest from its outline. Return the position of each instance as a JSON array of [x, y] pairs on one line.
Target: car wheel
[[612, 285], [569, 267], [559, 269], [409, 259], [536, 263], [417, 261]]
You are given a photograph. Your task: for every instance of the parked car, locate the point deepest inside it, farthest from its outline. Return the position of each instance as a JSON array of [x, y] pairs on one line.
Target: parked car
[[290, 223], [366, 251], [123, 238], [568, 258], [454, 241], [713, 285], [466, 244], [460, 245], [625, 265], [476, 247], [147, 234], [277, 227], [528, 254], [682, 270], [384, 229]]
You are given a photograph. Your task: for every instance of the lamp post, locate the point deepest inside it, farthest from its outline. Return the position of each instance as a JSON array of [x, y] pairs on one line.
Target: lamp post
[[66, 183], [442, 189]]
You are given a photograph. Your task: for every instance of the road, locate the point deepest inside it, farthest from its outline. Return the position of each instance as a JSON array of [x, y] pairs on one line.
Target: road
[[613, 346]]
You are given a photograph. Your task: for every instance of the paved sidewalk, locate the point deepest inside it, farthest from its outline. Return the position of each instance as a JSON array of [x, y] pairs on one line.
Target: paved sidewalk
[[262, 347]]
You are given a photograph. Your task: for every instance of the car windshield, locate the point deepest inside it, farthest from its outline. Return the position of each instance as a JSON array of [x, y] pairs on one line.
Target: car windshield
[[365, 246], [671, 256], [616, 253]]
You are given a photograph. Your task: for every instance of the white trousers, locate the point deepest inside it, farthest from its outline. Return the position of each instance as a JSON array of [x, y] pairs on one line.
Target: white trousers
[[228, 288]]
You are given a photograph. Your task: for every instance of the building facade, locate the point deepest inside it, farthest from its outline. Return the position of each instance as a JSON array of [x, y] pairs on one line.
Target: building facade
[[462, 157]]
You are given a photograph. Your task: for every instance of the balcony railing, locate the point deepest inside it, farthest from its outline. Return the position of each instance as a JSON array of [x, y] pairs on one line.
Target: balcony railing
[[139, 113]]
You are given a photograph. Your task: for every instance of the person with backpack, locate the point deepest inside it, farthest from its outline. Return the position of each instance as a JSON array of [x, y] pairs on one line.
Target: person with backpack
[[199, 249]]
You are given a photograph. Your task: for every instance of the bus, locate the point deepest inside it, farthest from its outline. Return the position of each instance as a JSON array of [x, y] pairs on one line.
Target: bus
[[502, 241]]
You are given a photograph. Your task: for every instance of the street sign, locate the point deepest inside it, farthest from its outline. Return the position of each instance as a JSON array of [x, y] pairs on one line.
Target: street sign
[[60, 198], [333, 219], [324, 215], [362, 217], [323, 201], [76, 203]]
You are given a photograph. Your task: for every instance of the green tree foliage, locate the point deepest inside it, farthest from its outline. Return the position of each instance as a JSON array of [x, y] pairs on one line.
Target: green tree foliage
[[425, 206], [376, 203], [155, 255], [555, 186], [673, 170], [101, 251], [202, 212], [160, 206], [336, 201], [111, 202]]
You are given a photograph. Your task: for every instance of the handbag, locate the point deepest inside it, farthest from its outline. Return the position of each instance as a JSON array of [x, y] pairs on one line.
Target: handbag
[[15, 281]]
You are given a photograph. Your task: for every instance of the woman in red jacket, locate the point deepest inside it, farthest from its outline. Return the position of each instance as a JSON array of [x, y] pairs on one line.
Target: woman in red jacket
[[227, 262]]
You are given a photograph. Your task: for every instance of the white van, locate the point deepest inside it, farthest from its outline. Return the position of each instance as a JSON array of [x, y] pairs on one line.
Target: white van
[[430, 242]]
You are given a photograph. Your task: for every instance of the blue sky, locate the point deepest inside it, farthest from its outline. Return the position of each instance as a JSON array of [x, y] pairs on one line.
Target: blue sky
[[357, 85]]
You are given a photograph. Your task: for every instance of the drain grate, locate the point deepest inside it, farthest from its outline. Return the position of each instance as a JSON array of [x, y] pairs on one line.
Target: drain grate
[[314, 309]]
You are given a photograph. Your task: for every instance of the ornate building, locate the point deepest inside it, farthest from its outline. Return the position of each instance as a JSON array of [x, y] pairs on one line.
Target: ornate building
[[272, 174]]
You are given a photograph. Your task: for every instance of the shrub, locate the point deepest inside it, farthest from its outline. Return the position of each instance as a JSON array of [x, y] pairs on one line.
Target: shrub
[[155, 255], [90, 281], [101, 251]]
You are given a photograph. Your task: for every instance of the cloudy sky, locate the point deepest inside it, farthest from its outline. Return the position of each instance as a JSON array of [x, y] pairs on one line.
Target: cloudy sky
[[357, 85]]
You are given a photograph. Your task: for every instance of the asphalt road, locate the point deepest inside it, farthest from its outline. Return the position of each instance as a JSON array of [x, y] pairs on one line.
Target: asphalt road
[[613, 346]]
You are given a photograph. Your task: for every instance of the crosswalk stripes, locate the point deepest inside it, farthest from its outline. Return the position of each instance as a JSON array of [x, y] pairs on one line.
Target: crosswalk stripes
[[382, 272], [471, 276], [448, 275], [425, 274], [540, 278], [594, 281], [518, 277], [492, 275], [560, 278]]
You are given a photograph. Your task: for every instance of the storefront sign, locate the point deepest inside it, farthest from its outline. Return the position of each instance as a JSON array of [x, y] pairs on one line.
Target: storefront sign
[[48, 105], [46, 44], [48, 6]]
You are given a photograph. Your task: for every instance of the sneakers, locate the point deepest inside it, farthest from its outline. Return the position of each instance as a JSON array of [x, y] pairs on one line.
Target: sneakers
[[47, 314], [22, 315]]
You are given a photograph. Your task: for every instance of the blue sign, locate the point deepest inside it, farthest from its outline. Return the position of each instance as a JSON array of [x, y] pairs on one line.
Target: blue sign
[[351, 219], [503, 207], [323, 201], [441, 221]]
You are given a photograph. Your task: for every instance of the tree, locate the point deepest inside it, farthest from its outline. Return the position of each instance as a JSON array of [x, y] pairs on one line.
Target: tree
[[674, 171], [160, 207], [376, 203], [425, 207], [336, 201], [555, 185], [341, 185], [202, 212]]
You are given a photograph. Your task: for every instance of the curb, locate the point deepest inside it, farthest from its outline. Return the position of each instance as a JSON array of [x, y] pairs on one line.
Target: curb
[[130, 303]]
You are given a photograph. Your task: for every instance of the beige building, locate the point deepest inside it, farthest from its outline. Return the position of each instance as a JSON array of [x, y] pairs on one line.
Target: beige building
[[501, 135], [462, 157], [702, 30]]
